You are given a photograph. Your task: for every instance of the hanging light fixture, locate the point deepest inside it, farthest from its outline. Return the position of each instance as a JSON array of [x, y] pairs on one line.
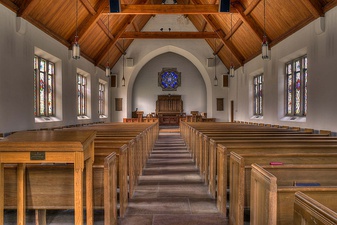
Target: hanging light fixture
[[107, 68], [215, 81], [76, 51], [265, 47], [231, 68], [123, 78]]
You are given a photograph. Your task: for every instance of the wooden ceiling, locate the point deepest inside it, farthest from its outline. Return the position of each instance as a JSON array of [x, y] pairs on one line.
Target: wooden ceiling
[[239, 32]]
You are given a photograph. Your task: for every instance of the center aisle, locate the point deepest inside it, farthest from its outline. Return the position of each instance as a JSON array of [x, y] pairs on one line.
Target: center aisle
[[171, 191]]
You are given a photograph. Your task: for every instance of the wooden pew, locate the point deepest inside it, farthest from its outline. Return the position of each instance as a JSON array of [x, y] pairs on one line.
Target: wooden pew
[[146, 141], [193, 132], [121, 162], [202, 147], [273, 192], [45, 192], [220, 168], [240, 173], [309, 211]]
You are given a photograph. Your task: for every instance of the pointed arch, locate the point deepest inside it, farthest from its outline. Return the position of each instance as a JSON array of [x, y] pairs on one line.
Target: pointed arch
[[169, 48]]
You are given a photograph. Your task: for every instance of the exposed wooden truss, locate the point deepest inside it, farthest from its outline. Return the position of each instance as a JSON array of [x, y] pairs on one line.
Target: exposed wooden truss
[[235, 37]]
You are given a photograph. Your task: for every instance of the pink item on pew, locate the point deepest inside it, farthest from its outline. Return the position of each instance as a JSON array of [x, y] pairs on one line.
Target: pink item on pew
[[276, 163]]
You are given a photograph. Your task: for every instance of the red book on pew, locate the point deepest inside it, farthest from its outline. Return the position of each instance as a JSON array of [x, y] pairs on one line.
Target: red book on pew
[[276, 163]]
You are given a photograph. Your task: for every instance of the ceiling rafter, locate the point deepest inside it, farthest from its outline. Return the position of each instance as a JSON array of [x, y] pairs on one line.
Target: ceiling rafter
[[90, 20], [109, 34], [105, 29], [103, 51], [330, 5], [239, 57], [26, 7], [204, 25], [168, 35], [168, 9], [135, 26], [248, 20], [89, 7], [9, 4], [221, 34], [251, 7], [234, 29], [314, 8]]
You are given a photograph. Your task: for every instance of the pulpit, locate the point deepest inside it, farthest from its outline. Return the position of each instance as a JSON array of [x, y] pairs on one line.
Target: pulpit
[[169, 109]]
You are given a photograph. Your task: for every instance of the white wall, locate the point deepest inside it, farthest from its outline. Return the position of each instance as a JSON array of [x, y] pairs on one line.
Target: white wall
[[196, 52], [192, 89], [18, 40], [321, 49]]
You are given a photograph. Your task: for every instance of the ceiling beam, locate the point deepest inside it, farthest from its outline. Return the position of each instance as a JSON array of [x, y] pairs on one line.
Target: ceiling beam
[[105, 29], [168, 35], [234, 29], [26, 7], [314, 7], [330, 5], [239, 57], [9, 4], [251, 7], [103, 51], [89, 7], [90, 21], [169, 9], [249, 21]]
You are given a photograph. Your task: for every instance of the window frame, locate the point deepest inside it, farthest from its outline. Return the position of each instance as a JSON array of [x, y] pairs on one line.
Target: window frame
[[101, 99], [48, 98], [293, 107], [258, 81], [82, 110]]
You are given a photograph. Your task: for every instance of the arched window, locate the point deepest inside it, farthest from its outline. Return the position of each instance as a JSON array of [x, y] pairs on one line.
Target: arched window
[[44, 87], [296, 87], [258, 95]]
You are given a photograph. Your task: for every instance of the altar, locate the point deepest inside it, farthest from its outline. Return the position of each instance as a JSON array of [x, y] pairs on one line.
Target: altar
[[169, 109]]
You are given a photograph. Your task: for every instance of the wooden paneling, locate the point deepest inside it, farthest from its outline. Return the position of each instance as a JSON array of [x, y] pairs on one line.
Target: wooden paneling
[[240, 40]]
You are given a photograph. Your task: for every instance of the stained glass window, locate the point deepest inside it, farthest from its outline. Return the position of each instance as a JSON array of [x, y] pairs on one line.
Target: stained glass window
[[169, 79], [81, 95], [296, 84], [101, 99], [44, 87], [258, 94]]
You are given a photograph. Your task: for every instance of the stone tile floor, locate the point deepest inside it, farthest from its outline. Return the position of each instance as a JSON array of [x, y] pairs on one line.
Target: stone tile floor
[[169, 192]]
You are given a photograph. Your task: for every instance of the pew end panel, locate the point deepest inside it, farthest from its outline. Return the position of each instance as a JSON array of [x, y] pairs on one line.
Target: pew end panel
[[237, 188], [308, 211], [263, 197], [285, 192], [222, 179]]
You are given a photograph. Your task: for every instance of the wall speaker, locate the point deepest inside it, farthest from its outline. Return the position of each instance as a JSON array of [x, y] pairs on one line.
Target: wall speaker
[[129, 62], [224, 5], [113, 80], [115, 6], [210, 62]]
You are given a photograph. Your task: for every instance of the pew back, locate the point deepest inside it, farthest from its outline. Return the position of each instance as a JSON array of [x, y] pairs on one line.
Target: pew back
[[308, 211], [273, 193]]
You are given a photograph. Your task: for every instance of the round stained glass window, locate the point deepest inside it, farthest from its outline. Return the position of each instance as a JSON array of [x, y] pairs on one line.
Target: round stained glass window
[[169, 79]]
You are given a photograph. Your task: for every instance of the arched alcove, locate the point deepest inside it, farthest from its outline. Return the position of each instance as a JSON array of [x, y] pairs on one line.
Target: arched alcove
[[192, 88], [167, 49]]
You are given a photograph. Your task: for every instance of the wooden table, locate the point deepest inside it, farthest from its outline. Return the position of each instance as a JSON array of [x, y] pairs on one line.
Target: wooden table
[[26, 147]]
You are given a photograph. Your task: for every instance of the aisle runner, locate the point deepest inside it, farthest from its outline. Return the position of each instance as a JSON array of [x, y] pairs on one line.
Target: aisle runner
[[171, 191]]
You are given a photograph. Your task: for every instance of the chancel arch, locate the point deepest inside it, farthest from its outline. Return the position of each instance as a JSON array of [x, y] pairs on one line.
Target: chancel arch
[[199, 65]]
